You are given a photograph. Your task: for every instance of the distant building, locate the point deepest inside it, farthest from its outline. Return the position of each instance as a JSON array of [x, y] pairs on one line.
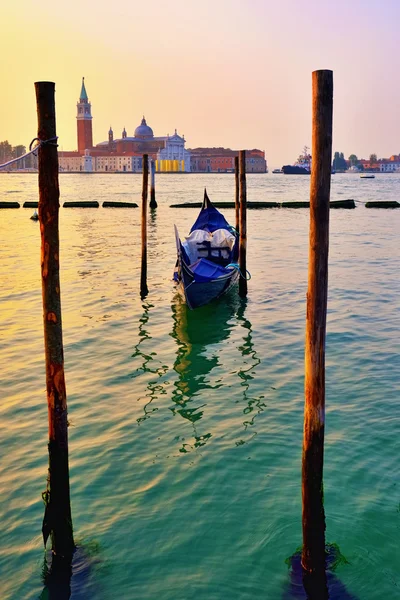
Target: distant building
[[125, 153], [389, 165], [222, 160]]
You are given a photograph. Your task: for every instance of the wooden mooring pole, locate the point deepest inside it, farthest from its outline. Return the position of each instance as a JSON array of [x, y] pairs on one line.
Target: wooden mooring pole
[[153, 203], [145, 185], [242, 225], [313, 553], [57, 520], [237, 200]]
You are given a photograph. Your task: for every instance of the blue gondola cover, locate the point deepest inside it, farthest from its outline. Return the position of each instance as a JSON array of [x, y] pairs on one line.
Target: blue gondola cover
[[204, 270]]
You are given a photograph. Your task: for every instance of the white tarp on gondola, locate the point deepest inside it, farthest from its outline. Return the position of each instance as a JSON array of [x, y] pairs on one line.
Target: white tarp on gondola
[[196, 244]]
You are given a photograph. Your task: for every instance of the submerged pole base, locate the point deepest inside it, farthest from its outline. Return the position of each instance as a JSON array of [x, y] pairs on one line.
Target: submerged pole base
[[321, 585]]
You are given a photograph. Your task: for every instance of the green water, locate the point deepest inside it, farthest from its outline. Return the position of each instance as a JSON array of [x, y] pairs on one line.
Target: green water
[[186, 427]]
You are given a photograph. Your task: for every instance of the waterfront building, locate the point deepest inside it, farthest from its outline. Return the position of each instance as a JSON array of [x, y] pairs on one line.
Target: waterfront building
[[222, 160], [389, 165], [124, 154]]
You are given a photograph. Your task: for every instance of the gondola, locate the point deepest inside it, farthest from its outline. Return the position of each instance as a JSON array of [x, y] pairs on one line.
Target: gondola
[[207, 267]]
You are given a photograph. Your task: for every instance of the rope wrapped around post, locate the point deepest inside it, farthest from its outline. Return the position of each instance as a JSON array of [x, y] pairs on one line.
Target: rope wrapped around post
[[35, 149]]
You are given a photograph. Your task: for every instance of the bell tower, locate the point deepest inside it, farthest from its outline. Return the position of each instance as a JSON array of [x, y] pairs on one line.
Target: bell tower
[[84, 121]]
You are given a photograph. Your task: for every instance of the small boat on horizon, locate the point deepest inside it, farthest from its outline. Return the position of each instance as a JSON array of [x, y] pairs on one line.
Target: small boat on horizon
[[207, 267], [302, 166], [276, 171], [367, 176]]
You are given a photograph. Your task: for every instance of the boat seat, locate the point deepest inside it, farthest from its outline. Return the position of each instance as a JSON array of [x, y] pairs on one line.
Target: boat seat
[[215, 254]]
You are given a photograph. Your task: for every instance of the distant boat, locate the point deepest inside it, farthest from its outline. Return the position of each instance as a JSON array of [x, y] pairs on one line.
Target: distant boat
[[301, 167], [277, 171], [367, 176]]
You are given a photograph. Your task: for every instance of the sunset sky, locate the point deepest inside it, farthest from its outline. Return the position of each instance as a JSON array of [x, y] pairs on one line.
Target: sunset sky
[[233, 73]]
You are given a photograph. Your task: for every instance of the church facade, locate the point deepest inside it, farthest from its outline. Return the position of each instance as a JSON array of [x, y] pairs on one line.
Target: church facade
[[124, 154]]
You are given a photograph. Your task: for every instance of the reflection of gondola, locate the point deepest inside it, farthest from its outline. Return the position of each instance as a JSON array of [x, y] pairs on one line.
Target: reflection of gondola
[[254, 404], [194, 333], [206, 267]]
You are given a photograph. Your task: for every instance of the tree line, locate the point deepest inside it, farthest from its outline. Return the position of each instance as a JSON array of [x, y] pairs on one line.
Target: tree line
[[340, 164], [9, 152]]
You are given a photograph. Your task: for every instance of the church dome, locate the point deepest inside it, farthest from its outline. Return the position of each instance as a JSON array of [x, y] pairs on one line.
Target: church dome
[[144, 131]]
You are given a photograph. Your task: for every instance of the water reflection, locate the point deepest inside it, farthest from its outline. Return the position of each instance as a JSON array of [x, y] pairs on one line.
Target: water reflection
[[254, 405], [195, 333], [307, 587], [71, 581], [148, 365]]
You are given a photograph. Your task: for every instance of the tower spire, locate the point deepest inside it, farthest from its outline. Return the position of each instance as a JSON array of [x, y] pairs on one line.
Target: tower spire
[[83, 97]]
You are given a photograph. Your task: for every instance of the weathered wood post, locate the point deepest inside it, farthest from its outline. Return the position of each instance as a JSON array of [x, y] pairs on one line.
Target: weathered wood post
[[143, 275], [313, 554], [57, 520], [237, 201], [242, 225], [153, 203]]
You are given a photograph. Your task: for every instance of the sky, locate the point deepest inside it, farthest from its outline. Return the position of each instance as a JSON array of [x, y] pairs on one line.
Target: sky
[[232, 73]]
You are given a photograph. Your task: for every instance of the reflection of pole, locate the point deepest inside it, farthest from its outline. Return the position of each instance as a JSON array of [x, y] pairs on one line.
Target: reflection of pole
[[143, 275], [237, 202], [153, 203], [243, 225], [313, 555], [57, 519]]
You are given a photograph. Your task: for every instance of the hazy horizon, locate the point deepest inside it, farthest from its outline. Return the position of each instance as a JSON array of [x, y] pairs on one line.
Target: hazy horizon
[[223, 73]]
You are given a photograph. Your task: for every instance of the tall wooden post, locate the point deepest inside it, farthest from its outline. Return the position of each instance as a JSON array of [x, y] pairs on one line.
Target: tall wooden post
[[237, 201], [313, 554], [57, 520], [143, 275], [153, 203], [242, 225]]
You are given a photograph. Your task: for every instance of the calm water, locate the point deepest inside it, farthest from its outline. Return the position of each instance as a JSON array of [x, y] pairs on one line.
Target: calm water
[[186, 427]]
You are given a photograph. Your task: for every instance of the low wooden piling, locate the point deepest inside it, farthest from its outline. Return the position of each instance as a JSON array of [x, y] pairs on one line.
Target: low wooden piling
[[9, 204], [313, 516], [242, 225], [237, 198], [382, 204], [57, 520], [116, 204], [81, 204], [145, 184], [153, 203]]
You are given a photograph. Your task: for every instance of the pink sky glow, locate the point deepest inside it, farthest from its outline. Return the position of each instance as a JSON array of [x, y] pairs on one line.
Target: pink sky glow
[[223, 72]]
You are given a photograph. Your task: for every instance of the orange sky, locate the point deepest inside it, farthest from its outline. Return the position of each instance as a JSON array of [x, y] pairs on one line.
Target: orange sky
[[223, 72]]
